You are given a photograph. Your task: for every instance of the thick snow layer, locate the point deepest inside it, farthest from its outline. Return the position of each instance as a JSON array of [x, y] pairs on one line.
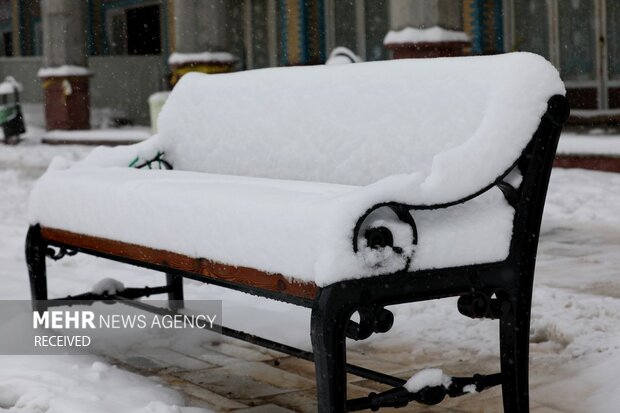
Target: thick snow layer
[[433, 34], [476, 231], [204, 57], [220, 199], [300, 229], [573, 144], [420, 122], [63, 71]]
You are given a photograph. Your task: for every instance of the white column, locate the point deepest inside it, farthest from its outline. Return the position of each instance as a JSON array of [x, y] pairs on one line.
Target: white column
[[200, 26], [64, 32]]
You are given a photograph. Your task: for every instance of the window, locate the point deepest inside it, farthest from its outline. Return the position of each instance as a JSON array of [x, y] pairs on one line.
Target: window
[[143, 31], [581, 38], [577, 26], [613, 39]]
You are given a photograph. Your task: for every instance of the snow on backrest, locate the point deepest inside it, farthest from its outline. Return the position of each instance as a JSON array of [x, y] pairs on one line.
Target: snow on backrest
[[460, 120]]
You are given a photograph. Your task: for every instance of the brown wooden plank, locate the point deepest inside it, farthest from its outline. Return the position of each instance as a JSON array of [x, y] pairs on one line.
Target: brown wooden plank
[[210, 269]]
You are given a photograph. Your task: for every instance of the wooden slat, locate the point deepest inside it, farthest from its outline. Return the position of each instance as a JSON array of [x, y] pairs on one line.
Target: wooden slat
[[200, 266]]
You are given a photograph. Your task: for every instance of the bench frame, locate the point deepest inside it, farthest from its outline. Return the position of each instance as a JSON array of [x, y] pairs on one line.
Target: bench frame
[[501, 290]]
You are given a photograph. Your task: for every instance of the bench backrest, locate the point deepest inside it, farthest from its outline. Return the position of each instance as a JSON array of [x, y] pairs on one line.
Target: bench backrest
[[456, 121]]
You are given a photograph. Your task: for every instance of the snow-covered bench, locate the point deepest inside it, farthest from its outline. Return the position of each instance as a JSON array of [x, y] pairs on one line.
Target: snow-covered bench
[[341, 188]]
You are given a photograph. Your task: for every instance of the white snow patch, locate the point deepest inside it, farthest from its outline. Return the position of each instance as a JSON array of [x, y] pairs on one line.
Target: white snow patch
[[573, 144], [577, 196], [77, 384], [108, 286], [63, 71], [177, 58], [427, 378], [433, 34]]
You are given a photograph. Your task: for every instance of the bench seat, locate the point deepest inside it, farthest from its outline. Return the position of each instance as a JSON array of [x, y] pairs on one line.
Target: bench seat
[[299, 229]]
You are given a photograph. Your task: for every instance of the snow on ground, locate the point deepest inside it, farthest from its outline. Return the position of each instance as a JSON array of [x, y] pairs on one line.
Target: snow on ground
[[575, 351], [125, 135], [68, 384], [574, 144]]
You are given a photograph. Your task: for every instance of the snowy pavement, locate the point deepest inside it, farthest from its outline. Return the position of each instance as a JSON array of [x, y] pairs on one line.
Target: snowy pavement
[[599, 145], [575, 336]]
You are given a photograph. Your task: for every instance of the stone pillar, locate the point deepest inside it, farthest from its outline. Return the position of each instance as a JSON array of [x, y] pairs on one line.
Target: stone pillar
[[64, 76], [426, 28], [201, 38]]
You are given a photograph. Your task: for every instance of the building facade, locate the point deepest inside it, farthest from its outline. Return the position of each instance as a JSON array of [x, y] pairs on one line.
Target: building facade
[[581, 38], [127, 43]]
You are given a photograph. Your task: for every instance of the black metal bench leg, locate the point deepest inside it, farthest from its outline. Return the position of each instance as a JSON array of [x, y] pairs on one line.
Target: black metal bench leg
[[175, 291], [35, 260], [514, 350], [329, 347]]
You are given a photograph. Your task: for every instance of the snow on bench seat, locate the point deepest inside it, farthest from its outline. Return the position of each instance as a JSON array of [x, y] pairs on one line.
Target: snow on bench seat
[[293, 228], [274, 167]]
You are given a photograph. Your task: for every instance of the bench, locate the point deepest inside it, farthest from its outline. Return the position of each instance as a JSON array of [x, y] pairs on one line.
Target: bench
[[344, 189]]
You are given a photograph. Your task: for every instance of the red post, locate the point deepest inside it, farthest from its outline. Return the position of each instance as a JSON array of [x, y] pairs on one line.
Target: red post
[[67, 102]]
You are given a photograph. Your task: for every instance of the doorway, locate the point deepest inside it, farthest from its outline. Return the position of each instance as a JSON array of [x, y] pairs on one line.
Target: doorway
[[143, 30]]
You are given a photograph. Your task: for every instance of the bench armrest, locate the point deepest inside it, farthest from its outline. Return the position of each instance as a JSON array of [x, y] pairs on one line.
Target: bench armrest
[[124, 155]]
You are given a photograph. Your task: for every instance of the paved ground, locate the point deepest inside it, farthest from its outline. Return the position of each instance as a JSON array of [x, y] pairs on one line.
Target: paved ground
[[234, 376], [231, 375]]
